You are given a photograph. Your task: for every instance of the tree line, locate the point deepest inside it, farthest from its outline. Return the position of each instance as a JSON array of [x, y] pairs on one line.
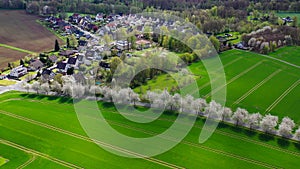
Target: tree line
[[176, 103]]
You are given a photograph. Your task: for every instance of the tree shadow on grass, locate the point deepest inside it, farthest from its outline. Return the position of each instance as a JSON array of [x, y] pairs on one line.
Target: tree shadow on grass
[[52, 98], [250, 133], [265, 137], [65, 100], [108, 104], [283, 143], [223, 125], [297, 145], [31, 96], [236, 129]]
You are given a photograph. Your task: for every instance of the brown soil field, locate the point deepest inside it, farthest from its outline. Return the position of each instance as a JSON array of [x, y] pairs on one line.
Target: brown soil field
[[21, 30], [9, 55]]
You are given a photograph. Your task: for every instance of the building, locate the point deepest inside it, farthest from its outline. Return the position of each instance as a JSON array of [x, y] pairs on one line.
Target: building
[[18, 72], [36, 65], [62, 67], [48, 74], [143, 44], [123, 45]]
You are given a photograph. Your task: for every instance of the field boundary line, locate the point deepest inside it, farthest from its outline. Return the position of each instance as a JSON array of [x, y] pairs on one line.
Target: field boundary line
[[282, 96], [256, 87], [27, 162], [122, 150], [16, 48], [34, 152], [208, 83], [235, 78], [279, 60]]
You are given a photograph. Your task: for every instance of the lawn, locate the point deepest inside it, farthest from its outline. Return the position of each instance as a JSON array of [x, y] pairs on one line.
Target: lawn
[[6, 82], [288, 53], [254, 82], [290, 14], [3, 161], [229, 146]]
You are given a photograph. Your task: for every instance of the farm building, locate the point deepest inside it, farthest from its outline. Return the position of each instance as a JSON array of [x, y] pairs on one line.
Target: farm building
[[18, 72]]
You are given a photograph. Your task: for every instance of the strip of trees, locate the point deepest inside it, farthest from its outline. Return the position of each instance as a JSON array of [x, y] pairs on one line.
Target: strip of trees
[[176, 103]]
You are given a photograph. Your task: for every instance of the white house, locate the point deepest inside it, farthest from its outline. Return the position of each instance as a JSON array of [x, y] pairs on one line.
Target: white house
[[18, 71]]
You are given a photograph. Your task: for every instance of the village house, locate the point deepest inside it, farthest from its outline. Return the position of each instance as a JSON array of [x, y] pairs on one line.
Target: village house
[[72, 62], [18, 72], [62, 67], [36, 65], [48, 74], [53, 58], [123, 45], [143, 44]]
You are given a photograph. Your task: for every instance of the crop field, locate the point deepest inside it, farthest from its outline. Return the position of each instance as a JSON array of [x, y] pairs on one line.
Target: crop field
[[21, 32], [44, 132], [9, 55], [259, 83]]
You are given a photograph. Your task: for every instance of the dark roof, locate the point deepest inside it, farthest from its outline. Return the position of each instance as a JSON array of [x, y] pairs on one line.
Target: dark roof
[[104, 64], [61, 65], [37, 64], [80, 57], [72, 61], [46, 72]]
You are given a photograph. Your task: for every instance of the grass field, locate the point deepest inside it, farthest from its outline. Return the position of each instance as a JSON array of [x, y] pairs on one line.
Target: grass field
[[290, 14], [6, 82], [48, 127], [2, 161], [290, 54], [21, 33], [255, 82]]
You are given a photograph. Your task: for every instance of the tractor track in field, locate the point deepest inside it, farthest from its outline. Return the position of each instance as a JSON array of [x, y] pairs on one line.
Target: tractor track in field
[[256, 87], [122, 150], [208, 83], [217, 131], [27, 162], [36, 153], [220, 152], [234, 78], [282, 96]]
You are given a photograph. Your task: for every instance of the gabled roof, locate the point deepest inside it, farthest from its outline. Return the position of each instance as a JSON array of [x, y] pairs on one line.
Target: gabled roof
[[53, 58], [36, 64], [61, 65], [72, 61]]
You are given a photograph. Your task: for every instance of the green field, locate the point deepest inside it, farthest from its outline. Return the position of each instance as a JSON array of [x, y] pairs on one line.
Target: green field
[[255, 82], [2, 161], [48, 127], [290, 14]]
